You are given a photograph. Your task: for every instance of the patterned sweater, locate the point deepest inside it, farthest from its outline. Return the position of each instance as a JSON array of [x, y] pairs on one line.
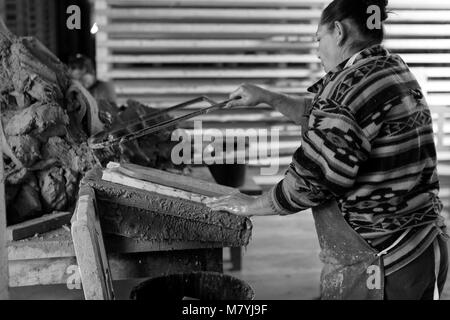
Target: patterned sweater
[[369, 144]]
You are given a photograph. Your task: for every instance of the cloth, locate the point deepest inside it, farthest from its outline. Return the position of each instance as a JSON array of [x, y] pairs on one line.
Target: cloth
[[369, 144], [102, 90], [417, 280]]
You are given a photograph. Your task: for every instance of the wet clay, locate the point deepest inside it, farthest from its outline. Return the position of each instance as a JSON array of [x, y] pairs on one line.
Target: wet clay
[[43, 172], [135, 213]]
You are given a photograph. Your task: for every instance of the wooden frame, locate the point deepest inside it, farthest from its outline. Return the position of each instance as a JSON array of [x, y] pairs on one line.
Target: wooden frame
[[4, 275], [90, 249]]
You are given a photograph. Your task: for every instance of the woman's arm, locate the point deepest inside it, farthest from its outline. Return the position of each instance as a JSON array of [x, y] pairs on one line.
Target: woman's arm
[[243, 205], [292, 107]]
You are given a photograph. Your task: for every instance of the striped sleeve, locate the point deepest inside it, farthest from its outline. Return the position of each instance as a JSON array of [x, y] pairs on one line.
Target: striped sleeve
[[327, 164]]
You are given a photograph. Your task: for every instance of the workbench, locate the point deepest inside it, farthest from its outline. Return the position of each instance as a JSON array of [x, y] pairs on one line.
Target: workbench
[[47, 259], [50, 258]]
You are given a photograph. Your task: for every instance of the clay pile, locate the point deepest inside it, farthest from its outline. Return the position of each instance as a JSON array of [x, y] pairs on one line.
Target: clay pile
[[45, 120], [153, 150]]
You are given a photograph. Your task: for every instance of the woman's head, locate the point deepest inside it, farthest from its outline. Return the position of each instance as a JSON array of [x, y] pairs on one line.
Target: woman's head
[[344, 29]]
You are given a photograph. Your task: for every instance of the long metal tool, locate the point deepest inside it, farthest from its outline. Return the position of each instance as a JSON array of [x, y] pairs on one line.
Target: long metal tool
[[123, 134]]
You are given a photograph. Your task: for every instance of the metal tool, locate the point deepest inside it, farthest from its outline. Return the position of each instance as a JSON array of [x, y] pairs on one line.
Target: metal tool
[[127, 132]]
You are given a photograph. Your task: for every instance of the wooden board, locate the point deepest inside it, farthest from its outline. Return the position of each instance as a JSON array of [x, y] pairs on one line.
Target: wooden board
[[48, 271], [3, 249], [173, 180], [90, 250], [39, 225], [151, 216]]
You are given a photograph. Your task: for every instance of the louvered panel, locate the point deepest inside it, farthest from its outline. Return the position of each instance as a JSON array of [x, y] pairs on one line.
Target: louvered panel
[[162, 52]]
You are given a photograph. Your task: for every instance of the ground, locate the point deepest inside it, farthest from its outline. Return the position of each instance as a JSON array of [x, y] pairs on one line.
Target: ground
[[282, 260], [280, 263]]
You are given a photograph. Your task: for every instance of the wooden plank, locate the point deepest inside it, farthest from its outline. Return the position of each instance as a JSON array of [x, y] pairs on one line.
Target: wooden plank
[[158, 73], [245, 14], [211, 29], [123, 266], [417, 44], [89, 248], [418, 30], [39, 225], [139, 214], [393, 4], [432, 16], [215, 3], [201, 90], [213, 58], [433, 72], [427, 58], [168, 14], [114, 175], [173, 180], [58, 244], [3, 248], [255, 29], [439, 86], [186, 45], [439, 99]]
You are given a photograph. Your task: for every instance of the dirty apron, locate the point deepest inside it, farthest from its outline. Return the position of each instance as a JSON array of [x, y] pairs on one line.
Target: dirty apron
[[352, 268]]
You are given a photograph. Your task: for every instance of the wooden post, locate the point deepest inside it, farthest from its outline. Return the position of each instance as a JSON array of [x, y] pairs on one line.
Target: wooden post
[[4, 276], [90, 250]]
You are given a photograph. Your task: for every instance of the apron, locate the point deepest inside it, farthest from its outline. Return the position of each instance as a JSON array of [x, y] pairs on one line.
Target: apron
[[352, 270]]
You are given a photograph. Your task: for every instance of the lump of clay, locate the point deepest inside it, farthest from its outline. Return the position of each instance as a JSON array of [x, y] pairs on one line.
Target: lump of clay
[[54, 188], [43, 162], [152, 150], [38, 75], [25, 148], [79, 159], [38, 120], [26, 204]]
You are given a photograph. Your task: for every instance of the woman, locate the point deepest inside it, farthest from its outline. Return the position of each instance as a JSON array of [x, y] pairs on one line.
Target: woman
[[366, 166]]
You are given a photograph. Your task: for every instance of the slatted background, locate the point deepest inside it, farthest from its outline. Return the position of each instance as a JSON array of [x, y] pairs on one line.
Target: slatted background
[[163, 52]]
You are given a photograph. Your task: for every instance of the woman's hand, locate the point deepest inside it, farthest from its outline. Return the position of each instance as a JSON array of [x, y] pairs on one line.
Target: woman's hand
[[248, 95], [237, 203]]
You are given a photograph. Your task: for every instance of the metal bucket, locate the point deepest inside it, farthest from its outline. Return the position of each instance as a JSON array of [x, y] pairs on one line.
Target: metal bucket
[[193, 285]]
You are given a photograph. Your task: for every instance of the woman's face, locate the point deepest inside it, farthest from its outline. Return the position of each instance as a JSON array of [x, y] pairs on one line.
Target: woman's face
[[328, 51]]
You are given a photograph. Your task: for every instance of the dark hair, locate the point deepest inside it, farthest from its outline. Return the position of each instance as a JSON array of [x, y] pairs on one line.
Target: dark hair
[[81, 62], [356, 10]]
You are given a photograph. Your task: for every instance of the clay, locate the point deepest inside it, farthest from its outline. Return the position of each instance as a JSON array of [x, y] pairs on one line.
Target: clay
[[145, 215], [27, 204], [34, 79], [147, 225], [77, 158], [57, 186], [153, 150], [26, 148], [38, 120], [11, 193], [47, 119]]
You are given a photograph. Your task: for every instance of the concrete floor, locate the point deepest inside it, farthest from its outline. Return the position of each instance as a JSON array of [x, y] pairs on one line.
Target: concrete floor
[[281, 262]]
